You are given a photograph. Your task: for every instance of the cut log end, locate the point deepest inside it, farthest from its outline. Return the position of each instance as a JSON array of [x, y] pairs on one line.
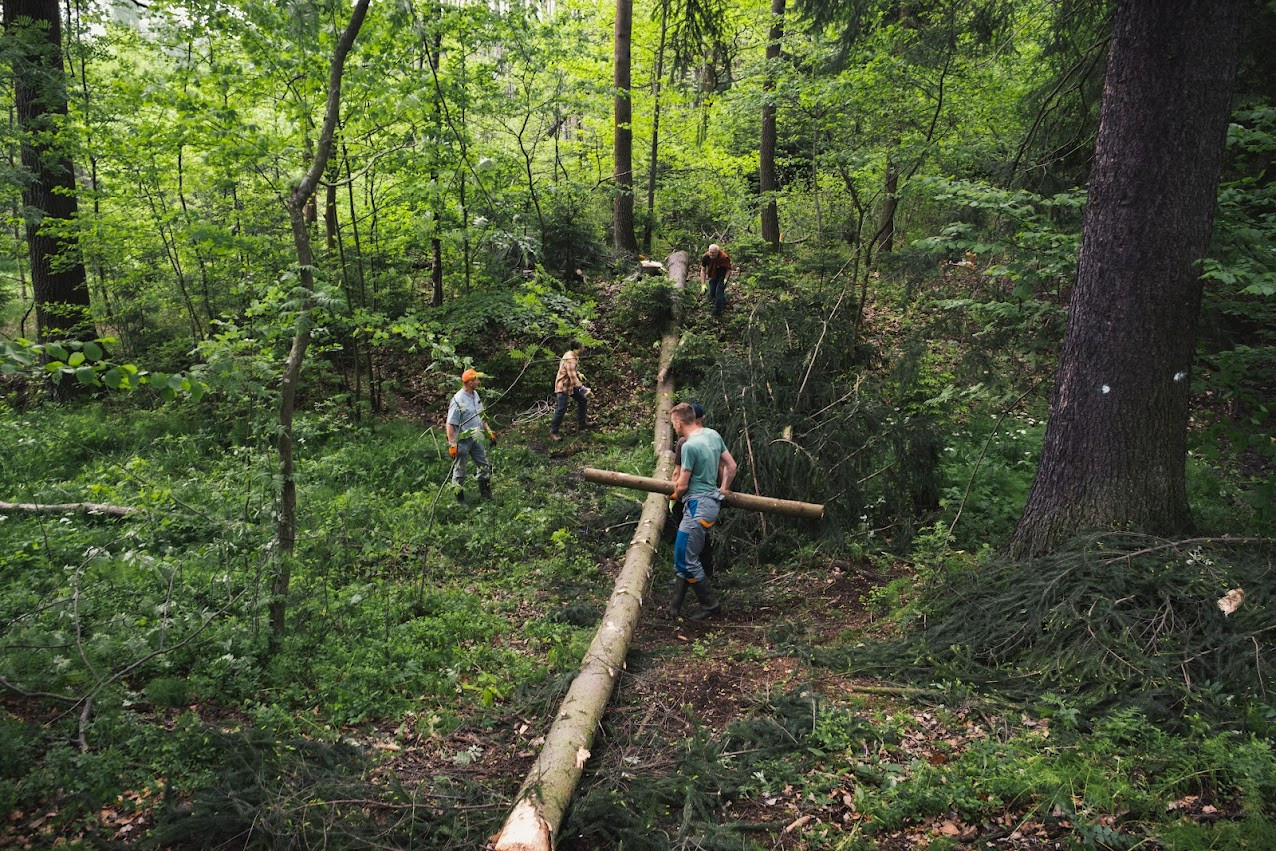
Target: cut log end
[[524, 830]]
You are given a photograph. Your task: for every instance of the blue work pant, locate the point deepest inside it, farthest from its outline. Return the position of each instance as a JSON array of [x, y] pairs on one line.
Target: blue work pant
[[561, 409], [699, 513]]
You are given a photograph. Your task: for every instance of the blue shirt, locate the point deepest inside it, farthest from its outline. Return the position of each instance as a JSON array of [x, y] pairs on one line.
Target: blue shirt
[[701, 455]]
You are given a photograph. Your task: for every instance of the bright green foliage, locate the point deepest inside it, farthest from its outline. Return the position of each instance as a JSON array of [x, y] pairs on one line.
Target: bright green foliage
[[86, 363]]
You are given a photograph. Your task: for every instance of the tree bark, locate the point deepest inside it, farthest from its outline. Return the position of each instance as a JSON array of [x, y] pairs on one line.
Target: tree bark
[[286, 526], [1115, 445], [890, 201], [752, 502], [767, 184], [33, 32], [538, 810], [622, 221]]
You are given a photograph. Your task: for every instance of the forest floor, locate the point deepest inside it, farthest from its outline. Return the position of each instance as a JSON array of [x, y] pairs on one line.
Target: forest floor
[[687, 679]]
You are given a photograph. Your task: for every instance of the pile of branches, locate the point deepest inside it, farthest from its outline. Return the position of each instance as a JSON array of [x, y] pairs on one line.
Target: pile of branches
[[1170, 627], [807, 419]]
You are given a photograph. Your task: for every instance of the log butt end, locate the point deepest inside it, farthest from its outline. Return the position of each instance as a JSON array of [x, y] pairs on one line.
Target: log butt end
[[524, 830]]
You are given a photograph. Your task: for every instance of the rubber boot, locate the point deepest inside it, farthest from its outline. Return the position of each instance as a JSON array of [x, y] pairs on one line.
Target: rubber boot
[[485, 488], [675, 604], [460, 496], [708, 603]]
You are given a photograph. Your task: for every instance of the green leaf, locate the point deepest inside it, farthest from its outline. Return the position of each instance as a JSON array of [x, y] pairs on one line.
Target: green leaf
[[93, 351], [114, 377], [86, 375], [76, 359]]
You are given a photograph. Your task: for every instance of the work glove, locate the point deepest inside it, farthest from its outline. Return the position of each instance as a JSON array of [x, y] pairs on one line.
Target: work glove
[[671, 503], [451, 450], [491, 435]]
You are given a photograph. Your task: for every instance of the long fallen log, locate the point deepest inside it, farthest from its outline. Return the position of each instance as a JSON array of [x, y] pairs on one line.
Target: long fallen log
[[538, 810], [67, 507], [771, 505]]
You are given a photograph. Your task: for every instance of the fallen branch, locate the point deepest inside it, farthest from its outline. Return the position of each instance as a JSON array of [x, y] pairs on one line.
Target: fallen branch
[[67, 507], [1174, 545], [770, 505]]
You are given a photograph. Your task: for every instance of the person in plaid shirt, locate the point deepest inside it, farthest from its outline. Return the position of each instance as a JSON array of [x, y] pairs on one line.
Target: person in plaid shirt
[[569, 383], [715, 268]]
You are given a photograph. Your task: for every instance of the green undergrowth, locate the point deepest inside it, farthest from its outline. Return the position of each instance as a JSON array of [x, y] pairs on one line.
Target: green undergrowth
[[402, 603]]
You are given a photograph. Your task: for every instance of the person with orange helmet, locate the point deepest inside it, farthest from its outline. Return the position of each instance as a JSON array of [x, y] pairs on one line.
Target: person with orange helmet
[[465, 429]]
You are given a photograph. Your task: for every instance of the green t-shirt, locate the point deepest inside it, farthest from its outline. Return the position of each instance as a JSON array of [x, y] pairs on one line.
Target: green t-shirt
[[701, 455]]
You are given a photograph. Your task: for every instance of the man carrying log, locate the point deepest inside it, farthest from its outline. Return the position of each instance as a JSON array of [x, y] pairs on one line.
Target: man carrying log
[[707, 472]]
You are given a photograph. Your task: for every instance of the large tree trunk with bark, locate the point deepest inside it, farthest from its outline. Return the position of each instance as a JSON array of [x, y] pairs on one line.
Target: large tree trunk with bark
[[767, 183], [33, 34], [622, 220], [538, 810], [286, 526], [1115, 445]]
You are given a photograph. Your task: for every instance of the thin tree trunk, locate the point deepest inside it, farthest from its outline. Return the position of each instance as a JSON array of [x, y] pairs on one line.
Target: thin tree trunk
[[538, 810], [657, 79], [890, 201], [199, 258], [330, 215], [1115, 445], [99, 270], [286, 526], [434, 57], [623, 140], [767, 184]]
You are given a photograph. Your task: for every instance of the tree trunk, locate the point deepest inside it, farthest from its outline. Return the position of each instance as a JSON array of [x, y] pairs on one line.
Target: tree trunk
[[67, 507], [434, 57], [33, 36], [286, 526], [1115, 445], [657, 79], [767, 184], [623, 145], [890, 202], [538, 809]]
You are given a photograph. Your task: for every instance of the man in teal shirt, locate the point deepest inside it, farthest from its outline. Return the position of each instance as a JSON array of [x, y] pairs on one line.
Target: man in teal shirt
[[707, 472]]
